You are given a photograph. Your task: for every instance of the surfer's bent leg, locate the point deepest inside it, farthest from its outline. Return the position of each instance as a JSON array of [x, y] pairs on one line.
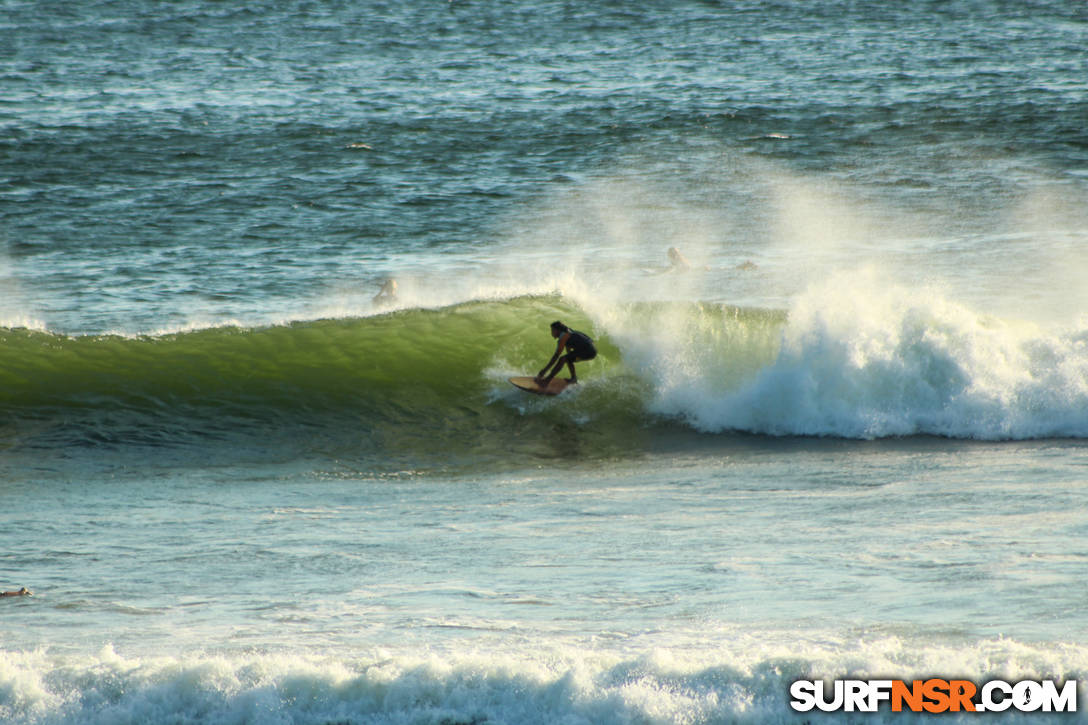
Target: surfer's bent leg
[[579, 356], [570, 364]]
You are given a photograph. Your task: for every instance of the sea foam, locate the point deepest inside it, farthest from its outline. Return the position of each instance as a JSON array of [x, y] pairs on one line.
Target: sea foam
[[742, 679], [861, 357]]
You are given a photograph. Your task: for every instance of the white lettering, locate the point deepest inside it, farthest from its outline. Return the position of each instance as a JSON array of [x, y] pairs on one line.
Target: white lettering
[[803, 693], [1027, 696], [989, 704], [821, 699], [879, 691], [855, 695], [1064, 701]]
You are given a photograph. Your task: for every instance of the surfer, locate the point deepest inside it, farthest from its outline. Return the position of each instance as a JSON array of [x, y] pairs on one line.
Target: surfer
[[677, 261], [579, 347], [24, 592], [387, 294]]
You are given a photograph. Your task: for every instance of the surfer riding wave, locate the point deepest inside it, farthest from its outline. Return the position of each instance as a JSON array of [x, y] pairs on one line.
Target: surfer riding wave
[[579, 348]]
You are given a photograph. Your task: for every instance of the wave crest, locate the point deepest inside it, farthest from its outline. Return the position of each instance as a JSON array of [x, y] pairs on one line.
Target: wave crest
[[867, 359], [854, 358]]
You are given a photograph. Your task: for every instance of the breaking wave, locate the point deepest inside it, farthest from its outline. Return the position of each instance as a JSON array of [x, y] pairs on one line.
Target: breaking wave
[[884, 362]]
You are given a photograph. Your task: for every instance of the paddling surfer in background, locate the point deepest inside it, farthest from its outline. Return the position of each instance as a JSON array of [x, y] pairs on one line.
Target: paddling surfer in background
[[579, 347]]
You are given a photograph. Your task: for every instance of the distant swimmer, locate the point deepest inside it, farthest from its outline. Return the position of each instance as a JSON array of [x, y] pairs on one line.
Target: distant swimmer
[[24, 592], [579, 348], [387, 294], [677, 261]]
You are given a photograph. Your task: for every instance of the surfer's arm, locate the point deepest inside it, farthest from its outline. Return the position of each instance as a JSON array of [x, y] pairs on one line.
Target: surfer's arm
[[558, 352], [549, 364]]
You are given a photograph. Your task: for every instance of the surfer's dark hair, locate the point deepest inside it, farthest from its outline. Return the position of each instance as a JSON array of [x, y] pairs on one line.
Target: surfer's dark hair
[[557, 325]]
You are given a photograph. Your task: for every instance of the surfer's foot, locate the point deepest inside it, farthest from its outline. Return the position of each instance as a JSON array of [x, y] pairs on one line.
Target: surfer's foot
[[572, 381]]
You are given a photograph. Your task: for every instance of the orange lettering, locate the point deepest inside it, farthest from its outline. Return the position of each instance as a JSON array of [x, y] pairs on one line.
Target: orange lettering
[[937, 693], [911, 695], [961, 692]]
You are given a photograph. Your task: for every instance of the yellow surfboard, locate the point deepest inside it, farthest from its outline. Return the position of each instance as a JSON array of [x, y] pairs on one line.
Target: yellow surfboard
[[555, 386]]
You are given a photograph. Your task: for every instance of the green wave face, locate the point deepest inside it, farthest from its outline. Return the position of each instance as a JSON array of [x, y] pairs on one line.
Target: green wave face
[[415, 387], [325, 364], [424, 388]]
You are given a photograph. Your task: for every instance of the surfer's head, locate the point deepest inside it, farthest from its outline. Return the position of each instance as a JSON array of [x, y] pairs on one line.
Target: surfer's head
[[558, 328]]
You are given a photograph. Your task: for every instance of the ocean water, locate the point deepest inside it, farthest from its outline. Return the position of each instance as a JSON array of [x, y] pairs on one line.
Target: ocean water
[[848, 441]]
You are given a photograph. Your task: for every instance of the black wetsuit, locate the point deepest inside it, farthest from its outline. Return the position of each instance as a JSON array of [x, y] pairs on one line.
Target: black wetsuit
[[581, 345]]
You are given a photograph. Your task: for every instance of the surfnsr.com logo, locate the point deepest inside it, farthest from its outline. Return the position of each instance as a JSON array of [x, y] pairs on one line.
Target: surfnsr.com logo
[[934, 695]]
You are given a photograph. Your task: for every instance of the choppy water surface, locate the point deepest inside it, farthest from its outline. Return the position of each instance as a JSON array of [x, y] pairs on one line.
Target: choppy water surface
[[847, 440]]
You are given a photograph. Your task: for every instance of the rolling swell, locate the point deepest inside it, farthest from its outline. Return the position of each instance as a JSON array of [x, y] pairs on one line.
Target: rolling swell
[[409, 387], [419, 388]]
